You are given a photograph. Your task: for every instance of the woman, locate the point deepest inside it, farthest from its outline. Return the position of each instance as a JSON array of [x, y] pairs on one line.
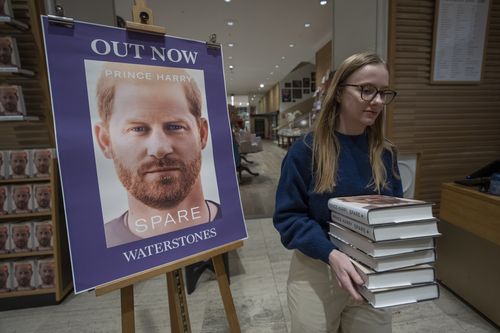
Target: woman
[[346, 154]]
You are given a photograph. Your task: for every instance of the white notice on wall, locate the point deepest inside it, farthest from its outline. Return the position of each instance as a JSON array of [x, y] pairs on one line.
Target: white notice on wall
[[459, 40]]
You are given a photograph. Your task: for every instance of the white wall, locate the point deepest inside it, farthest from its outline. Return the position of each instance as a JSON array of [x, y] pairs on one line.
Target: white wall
[[359, 25], [94, 11]]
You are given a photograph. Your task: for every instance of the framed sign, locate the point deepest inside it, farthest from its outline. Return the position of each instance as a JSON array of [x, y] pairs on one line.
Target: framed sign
[[144, 146], [460, 31]]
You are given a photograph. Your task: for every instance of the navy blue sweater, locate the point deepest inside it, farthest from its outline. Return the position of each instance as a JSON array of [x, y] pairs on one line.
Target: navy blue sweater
[[301, 216]]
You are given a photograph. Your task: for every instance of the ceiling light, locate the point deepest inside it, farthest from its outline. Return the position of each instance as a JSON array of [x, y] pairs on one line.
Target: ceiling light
[[230, 23], [261, 85], [276, 66], [231, 67], [230, 44], [283, 58], [322, 2], [230, 57], [272, 73], [307, 25], [291, 45], [248, 104], [227, 0]]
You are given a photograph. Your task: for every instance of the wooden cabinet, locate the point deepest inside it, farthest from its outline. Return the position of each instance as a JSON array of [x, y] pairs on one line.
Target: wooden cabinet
[[33, 130]]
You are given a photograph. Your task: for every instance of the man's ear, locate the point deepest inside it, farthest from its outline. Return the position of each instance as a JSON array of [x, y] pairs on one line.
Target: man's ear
[[203, 132], [102, 135]]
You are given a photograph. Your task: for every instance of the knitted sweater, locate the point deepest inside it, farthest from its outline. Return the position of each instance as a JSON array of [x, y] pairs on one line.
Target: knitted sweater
[[301, 216]]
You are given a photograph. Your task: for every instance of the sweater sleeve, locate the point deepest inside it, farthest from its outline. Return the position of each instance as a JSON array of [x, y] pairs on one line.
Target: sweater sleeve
[[291, 217]]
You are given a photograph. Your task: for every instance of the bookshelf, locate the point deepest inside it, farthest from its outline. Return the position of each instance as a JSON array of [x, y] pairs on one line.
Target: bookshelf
[[27, 132]]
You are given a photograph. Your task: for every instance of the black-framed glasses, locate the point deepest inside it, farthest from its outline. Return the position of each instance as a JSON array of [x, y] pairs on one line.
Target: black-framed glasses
[[369, 92]]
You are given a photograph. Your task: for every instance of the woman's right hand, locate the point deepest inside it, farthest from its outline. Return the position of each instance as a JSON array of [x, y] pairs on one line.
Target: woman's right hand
[[345, 273]]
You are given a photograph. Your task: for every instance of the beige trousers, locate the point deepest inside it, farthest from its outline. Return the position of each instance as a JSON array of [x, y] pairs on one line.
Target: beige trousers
[[318, 304]]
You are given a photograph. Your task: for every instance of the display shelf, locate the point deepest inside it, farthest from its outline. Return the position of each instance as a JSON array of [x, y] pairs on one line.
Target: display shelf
[[10, 217], [18, 118], [26, 254], [24, 180], [4, 71], [27, 293], [10, 21]]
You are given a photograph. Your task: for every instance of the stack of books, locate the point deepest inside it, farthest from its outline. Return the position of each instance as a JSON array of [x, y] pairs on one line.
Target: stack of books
[[391, 242]]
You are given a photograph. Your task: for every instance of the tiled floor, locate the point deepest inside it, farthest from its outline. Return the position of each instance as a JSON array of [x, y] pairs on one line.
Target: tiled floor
[[258, 282]]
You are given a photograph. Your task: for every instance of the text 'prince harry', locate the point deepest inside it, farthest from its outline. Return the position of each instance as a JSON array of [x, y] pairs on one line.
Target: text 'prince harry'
[[154, 133]]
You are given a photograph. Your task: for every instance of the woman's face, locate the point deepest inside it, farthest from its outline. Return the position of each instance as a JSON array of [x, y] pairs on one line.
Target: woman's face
[[355, 113]]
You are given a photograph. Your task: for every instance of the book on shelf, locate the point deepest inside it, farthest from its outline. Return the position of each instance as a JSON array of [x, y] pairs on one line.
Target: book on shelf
[[384, 248], [385, 263], [390, 231], [385, 297], [424, 273], [379, 209]]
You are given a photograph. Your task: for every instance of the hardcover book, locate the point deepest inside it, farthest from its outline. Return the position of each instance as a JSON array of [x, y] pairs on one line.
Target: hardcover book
[[385, 297], [379, 209], [396, 278], [386, 263], [390, 231], [378, 249]]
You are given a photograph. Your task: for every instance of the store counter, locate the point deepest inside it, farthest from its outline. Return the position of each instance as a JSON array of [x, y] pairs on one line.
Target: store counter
[[468, 251]]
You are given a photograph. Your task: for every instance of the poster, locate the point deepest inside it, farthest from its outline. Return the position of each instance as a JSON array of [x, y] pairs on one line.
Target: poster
[[144, 148]]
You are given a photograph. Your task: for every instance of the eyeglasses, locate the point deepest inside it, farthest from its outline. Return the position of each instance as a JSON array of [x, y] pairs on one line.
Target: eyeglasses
[[369, 92]]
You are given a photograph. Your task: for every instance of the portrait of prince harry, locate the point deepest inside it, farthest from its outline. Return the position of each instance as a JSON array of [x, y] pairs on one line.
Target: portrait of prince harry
[[151, 124]]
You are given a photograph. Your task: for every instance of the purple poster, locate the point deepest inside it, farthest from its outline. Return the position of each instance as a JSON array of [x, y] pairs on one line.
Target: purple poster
[[144, 148]]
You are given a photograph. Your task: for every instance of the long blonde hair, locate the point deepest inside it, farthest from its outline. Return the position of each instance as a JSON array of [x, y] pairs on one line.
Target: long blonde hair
[[326, 148]]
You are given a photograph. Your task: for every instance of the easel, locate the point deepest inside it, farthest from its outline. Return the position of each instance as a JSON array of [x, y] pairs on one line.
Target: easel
[[179, 316], [178, 308]]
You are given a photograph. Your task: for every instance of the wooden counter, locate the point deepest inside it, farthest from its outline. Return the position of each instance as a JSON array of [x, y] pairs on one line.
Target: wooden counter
[[468, 252]]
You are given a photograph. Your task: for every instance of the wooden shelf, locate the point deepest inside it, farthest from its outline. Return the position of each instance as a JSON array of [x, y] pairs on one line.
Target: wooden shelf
[[26, 254], [24, 180], [19, 216], [18, 118], [16, 71], [27, 293], [7, 20]]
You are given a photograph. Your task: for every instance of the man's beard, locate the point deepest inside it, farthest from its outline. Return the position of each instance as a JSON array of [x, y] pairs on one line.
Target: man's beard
[[21, 243], [10, 107], [42, 168], [44, 203], [165, 192], [23, 205], [19, 170], [44, 241]]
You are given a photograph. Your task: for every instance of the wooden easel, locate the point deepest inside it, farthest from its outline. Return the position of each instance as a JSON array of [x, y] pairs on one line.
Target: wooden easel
[[178, 309], [143, 19]]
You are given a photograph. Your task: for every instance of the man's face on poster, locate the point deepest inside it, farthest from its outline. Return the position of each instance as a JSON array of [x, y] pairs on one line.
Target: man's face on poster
[[4, 234], [154, 141], [5, 51], [42, 159], [44, 234], [23, 273], [42, 196], [46, 271], [9, 99], [20, 236], [21, 197], [18, 162]]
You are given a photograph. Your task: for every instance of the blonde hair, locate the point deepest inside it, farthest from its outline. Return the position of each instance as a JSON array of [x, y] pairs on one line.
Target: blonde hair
[[106, 85], [326, 148]]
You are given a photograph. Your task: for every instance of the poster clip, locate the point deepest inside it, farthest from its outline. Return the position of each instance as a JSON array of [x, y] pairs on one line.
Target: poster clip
[[212, 42], [143, 19], [60, 19]]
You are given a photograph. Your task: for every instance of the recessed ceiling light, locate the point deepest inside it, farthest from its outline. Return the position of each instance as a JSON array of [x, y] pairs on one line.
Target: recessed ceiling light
[[230, 57], [261, 85], [230, 44], [272, 73], [227, 0], [283, 58], [276, 66], [322, 2], [307, 25], [291, 45], [231, 67], [230, 22]]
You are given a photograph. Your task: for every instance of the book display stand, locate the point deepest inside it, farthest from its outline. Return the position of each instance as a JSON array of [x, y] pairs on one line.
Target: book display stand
[[178, 307], [27, 132]]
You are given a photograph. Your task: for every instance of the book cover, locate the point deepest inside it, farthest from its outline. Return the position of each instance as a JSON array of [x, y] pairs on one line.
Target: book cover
[[379, 209], [384, 248], [385, 297], [424, 273], [386, 263], [12, 104], [9, 58], [389, 231]]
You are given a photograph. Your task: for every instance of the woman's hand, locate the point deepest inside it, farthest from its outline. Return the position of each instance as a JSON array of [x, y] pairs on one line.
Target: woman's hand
[[345, 273]]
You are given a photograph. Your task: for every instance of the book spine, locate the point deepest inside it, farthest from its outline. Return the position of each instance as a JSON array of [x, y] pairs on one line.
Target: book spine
[[355, 226], [356, 213]]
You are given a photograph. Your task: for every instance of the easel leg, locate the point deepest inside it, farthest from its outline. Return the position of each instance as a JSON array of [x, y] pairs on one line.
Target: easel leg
[[225, 292], [177, 303], [127, 302]]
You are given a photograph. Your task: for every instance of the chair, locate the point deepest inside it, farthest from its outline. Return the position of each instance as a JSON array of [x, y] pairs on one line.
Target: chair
[[237, 161]]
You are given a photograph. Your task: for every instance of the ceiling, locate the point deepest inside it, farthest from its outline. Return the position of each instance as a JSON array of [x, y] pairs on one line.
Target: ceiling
[[262, 33]]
